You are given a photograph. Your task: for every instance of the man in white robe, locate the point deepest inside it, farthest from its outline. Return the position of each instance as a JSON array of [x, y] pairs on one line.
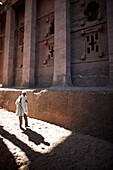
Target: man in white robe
[[24, 103], [22, 108]]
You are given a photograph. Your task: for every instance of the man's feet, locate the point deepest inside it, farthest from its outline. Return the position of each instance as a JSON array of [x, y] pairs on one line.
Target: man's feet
[[21, 128], [26, 125]]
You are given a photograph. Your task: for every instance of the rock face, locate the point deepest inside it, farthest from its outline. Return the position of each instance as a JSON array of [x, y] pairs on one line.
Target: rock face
[[89, 111]]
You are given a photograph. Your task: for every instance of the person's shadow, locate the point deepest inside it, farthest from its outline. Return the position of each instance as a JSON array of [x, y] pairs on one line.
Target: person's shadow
[[6, 155], [31, 154], [34, 137]]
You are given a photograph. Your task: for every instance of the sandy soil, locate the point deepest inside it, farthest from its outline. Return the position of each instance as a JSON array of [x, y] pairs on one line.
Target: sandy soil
[[45, 146]]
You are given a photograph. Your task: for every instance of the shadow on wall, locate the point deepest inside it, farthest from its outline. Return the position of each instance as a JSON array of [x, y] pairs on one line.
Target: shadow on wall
[[76, 152]]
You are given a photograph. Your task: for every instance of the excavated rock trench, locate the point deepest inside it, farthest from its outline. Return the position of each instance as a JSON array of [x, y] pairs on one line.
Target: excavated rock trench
[[46, 146]]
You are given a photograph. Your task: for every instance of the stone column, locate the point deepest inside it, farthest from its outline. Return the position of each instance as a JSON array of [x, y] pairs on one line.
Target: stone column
[[110, 38], [62, 76], [29, 44], [9, 48]]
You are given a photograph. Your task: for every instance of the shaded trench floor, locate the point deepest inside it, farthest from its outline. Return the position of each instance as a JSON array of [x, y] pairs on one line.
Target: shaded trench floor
[[46, 146]]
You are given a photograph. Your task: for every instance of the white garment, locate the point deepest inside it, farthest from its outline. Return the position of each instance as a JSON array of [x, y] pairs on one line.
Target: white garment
[[24, 103], [19, 109]]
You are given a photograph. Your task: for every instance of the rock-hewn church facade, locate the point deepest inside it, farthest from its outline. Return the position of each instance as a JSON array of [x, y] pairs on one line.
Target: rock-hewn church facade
[[46, 43], [66, 45]]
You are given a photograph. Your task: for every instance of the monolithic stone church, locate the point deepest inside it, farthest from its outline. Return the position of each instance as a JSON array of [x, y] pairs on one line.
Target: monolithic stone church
[[46, 43]]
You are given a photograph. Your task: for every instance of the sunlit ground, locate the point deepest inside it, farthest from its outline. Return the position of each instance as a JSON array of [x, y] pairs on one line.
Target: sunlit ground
[[47, 146], [41, 137]]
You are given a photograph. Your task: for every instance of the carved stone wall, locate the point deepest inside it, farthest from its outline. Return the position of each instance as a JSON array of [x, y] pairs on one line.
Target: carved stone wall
[[89, 45], [90, 63], [2, 38], [44, 43], [19, 45]]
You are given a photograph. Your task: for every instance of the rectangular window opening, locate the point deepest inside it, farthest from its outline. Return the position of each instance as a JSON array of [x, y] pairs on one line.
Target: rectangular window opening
[[97, 49], [88, 38], [96, 36], [88, 50]]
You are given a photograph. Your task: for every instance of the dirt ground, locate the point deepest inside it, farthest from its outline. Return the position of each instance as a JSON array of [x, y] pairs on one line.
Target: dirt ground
[[45, 146]]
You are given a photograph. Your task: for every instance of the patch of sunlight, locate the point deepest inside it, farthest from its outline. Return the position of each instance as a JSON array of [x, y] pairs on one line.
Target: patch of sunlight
[[51, 140], [40, 93], [56, 139], [40, 137], [19, 155], [0, 84], [2, 1], [53, 136]]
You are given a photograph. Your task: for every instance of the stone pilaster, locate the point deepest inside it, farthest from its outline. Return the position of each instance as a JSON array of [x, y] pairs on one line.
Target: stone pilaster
[[29, 44], [9, 48], [62, 76], [110, 38]]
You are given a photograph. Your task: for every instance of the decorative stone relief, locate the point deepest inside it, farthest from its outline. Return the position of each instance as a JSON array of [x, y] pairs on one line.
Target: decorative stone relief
[[89, 42], [49, 41], [92, 41], [50, 55]]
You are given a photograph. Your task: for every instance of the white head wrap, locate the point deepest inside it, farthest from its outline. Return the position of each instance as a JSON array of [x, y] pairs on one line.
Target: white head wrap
[[23, 92]]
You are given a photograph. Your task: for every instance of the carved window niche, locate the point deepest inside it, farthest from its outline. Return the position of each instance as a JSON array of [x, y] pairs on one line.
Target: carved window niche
[[50, 57], [92, 43], [91, 11], [50, 28], [1, 44], [95, 44], [21, 35], [94, 11], [49, 41], [51, 51]]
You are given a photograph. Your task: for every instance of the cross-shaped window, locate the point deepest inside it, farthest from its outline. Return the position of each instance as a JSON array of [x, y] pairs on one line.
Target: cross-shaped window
[[92, 43], [51, 51]]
